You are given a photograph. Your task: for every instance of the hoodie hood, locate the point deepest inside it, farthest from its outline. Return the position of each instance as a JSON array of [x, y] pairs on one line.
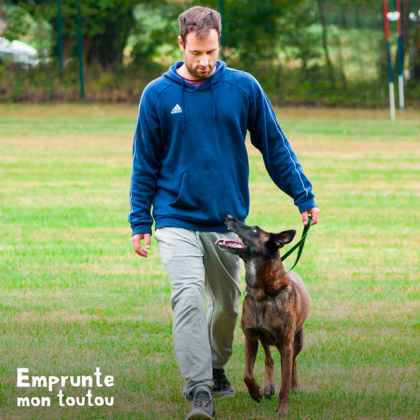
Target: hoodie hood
[[207, 85]]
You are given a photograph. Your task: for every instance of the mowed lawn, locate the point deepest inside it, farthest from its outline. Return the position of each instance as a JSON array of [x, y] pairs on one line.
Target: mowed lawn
[[74, 296]]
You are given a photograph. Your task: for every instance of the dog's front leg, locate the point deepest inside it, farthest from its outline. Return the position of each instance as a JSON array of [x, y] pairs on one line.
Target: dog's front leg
[[269, 389], [286, 351], [251, 350], [297, 347]]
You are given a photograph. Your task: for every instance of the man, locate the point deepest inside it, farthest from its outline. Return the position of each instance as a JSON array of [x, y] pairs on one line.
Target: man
[[190, 162]]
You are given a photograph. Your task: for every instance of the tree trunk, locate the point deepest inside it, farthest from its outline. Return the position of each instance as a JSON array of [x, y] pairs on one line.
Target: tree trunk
[[341, 65], [106, 49], [415, 62], [325, 41]]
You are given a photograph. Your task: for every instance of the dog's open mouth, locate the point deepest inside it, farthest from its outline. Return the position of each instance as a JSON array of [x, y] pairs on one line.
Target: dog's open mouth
[[229, 243]]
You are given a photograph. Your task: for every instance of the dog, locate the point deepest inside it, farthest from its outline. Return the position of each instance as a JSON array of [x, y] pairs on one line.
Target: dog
[[274, 310]]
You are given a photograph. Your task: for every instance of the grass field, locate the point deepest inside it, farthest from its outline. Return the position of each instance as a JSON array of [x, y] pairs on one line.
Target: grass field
[[74, 295]]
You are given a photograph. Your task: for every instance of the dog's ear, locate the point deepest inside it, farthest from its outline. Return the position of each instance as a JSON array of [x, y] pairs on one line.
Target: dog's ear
[[279, 240]]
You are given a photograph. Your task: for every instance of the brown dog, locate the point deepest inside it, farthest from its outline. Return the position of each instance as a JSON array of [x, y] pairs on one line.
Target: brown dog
[[275, 308]]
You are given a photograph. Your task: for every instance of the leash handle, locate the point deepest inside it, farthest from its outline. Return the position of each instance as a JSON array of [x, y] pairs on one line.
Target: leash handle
[[300, 244]]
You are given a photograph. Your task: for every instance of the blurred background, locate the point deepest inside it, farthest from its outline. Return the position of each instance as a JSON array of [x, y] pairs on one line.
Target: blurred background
[[314, 52]]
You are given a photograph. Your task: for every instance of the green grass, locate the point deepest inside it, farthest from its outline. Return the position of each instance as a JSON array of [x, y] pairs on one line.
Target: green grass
[[74, 295]]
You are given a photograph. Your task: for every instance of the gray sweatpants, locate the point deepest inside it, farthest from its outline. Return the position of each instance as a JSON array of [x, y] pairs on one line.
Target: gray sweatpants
[[194, 266]]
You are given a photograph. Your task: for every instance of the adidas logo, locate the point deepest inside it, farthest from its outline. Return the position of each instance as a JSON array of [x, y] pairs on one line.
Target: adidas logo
[[177, 109]]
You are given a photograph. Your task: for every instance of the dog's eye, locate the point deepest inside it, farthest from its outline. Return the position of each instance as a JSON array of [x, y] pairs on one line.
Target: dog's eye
[[254, 230]]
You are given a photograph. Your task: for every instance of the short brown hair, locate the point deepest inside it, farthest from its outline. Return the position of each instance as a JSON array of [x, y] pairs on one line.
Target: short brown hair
[[200, 20]]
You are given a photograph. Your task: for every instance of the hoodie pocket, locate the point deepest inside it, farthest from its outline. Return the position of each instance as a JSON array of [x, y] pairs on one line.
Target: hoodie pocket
[[208, 196]]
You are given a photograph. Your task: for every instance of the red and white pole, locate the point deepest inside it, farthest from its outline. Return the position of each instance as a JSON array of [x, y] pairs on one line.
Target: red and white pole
[[390, 74]]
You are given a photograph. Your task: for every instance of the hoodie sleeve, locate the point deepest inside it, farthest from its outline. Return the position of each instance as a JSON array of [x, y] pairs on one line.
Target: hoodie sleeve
[[147, 150], [279, 158]]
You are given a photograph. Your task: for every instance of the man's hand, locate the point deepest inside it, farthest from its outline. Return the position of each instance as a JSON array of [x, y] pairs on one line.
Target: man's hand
[[314, 212], [136, 239]]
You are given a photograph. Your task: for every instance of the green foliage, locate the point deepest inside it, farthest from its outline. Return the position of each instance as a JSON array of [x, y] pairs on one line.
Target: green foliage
[[300, 36], [106, 25], [153, 29], [18, 23], [43, 83], [31, 29], [253, 28], [95, 13]]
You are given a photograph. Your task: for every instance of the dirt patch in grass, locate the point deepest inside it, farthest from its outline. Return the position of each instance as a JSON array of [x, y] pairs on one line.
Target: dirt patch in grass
[[127, 110], [74, 110], [317, 113], [70, 140], [347, 148], [140, 314]]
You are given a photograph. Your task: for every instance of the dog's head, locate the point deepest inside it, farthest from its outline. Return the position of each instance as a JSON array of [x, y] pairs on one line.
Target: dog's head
[[254, 241]]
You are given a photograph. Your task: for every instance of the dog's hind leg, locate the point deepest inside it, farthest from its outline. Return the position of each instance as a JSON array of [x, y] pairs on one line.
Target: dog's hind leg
[[269, 389], [251, 350], [297, 347]]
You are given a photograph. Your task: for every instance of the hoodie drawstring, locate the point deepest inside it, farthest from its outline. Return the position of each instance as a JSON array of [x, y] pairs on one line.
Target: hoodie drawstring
[[183, 107], [212, 99]]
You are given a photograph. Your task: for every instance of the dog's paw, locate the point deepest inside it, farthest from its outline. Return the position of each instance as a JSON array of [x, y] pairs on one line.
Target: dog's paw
[[253, 389], [256, 394], [282, 410], [269, 391]]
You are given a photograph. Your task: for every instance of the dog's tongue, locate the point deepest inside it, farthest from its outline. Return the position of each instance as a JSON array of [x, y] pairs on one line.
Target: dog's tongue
[[229, 242]]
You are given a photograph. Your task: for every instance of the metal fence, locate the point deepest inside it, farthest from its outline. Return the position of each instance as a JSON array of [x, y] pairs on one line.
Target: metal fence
[[344, 43]]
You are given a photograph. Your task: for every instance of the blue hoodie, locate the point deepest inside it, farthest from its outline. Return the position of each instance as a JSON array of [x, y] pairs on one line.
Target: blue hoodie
[[189, 156]]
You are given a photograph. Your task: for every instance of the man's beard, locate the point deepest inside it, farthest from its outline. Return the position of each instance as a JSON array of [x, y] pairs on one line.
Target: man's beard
[[197, 73]]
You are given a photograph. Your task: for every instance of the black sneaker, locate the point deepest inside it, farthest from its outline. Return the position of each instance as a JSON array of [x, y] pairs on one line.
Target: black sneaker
[[202, 407], [221, 387]]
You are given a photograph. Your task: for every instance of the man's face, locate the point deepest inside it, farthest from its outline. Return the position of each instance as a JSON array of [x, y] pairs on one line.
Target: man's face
[[200, 54]]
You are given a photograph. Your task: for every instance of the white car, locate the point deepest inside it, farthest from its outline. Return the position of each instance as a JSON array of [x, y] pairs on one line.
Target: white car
[[18, 52]]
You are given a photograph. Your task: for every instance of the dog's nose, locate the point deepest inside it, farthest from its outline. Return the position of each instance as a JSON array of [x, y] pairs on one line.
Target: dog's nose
[[228, 217]]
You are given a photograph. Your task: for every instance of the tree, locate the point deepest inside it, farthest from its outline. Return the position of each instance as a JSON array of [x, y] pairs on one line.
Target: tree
[[255, 27], [106, 25], [325, 39]]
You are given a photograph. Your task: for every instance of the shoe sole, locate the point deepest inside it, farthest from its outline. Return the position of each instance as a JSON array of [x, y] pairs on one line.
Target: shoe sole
[[198, 415]]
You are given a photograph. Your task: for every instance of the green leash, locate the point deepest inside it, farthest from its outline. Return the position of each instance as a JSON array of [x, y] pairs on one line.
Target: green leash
[[299, 245]]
